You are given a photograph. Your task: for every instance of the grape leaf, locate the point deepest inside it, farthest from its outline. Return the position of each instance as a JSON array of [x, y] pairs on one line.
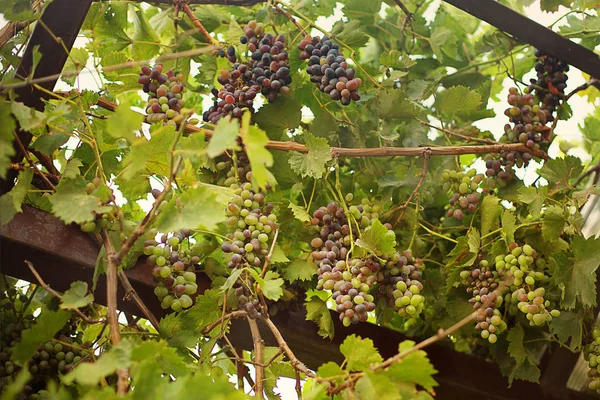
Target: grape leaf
[[393, 103], [415, 368], [146, 42], [317, 311], [123, 122], [559, 171], [350, 33], [299, 269], [195, 208], [377, 239], [271, 285], [313, 163], [376, 386], [300, 213], [29, 118], [458, 100], [75, 63], [6, 137], [11, 202], [224, 137], [169, 360], [516, 348], [91, 373], [260, 158], [153, 155], [76, 296], [71, 203], [72, 168], [329, 369], [568, 325], [534, 198], [416, 89], [474, 241], [278, 256], [579, 274], [490, 211], [553, 222], [508, 220], [360, 353], [552, 5], [278, 116], [47, 324]]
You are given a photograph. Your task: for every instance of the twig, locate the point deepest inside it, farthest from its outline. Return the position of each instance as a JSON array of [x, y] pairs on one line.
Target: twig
[[268, 257], [592, 82], [32, 164], [197, 23], [131, 293], [297, 364], [46, 162], [378, 151], [59, 296], [290, 17], [258, 357], [111, 302], [298, 386], [594, 169], [226, 317], [415, 191], [404, 9], [465, 137]]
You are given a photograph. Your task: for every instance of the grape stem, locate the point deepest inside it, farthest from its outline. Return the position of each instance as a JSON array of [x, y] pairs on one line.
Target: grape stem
[[268, 257], [258, 358], [415, 192], [437, 234], [54, 293], [290, 17], [459, 135], [226, 317], [111, 300]]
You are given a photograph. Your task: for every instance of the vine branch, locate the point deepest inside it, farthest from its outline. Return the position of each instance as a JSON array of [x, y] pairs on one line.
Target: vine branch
[[186, 8], [131, 293], [258, 358]]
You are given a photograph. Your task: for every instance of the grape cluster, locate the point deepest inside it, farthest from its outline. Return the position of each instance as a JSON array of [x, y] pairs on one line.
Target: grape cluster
[[350, 279], [229, 53], [401, 284], [328, 69], [519, 266], [165, 91], [591, 353], [464, 197], [100, 221], [173, 269], [251, 224], [59, 355], [482, 283], [549, 87], [266, 72]]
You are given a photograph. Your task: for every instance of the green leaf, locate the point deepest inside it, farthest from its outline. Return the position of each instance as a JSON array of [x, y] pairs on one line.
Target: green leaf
[[490, 212], [271, 286], [300, 213], [415, 368], [169, 360], [146, 43], [329, 369], [278, 256], [378, 239], [47, 325], [75, 63], [350, 33], [552, 5], [440, 37], [153, 156], [416, 89], [195, 208], [11, 202], [458, 101], [72, 168], [393, 103], [123, 122], [516, 348], [278, 116], [299, 269], [474, 241], [534, 198], [260, 158], [313, 163], [509, 221], [7, 128], [233, 277], [29, 118], [77, 296], [71, 203], [316, 311], [14, 389], [91, 373], [376, 386], [224, 137], [559, 171], [360, 353], [579, 275], [567, 326], [553, 222]]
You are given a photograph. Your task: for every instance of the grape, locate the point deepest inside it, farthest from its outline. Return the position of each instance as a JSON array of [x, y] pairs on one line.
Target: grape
[[462, 187], [328, 69], [165, 103]]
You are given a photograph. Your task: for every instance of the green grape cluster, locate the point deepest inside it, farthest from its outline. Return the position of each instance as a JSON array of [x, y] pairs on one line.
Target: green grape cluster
[[462, 187], [483, 285], [100, 221], [400, 282], [591, 353], [173, 269], [525, 282], [251, 224]]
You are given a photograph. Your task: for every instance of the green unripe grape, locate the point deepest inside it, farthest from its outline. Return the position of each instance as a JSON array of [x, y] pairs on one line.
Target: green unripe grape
[[496, 320], [165, 272], [166, 302], [518, 274], [529, 280], [416, 300], [148, 250], [241, 224], [180, 280], [263, 238], [596, 332], [517, 251], [539, 319], [500, 265], [465, 274], [359, 299], [485, 334], [349, 197], [528, 250], [160, 261], [518, 281], [555, 313], [173, 241], [398, 302], [248, 247], [463, 188], [414, 289], [186, 301], [176, 305], [405, 300], [401, 286], [88, 226], [247, 203], [49, 347], [369, 298], [60, 355], [272, 217], [411, 310], [251, 219], [189, 276], [191, 288], [492, 338], [161, 291], [346, 322]]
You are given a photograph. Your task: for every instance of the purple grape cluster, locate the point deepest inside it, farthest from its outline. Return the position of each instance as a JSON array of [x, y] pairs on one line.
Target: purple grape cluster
[[329, 70], [401, 284], [165, 102], [173, 269], [266, 72], [464, 197], [549, 87]]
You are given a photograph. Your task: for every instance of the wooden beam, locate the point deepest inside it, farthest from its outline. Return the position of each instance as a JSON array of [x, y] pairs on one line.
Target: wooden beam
[[63, 254]]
